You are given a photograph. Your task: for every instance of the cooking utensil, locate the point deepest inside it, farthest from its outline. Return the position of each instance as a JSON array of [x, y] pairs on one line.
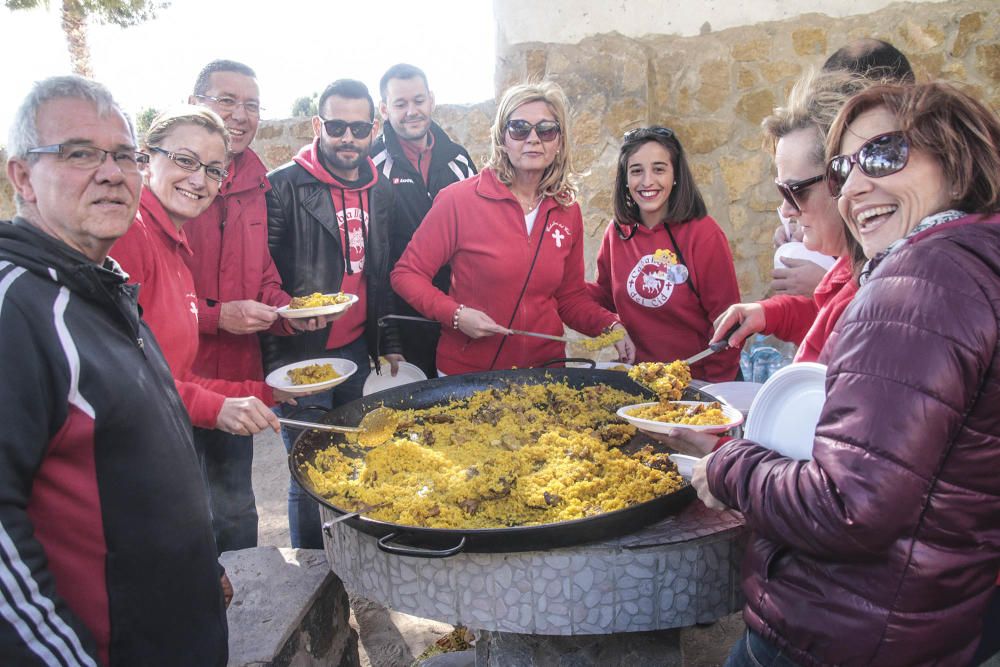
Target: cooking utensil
[[717, 346], [349, 515], [561, 339], [516, 332], [442, 542], [375, 428]]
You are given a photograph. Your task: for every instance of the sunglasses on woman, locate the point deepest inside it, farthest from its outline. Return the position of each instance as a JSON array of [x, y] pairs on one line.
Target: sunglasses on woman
[[643, 132], [336, 128], [519, 129], [880, 156], [789, 189]]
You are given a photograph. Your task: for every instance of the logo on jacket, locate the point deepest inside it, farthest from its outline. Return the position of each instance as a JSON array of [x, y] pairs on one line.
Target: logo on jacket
[[193, 306], [648, 284], [397, 181], [559, 233], [356, 230]]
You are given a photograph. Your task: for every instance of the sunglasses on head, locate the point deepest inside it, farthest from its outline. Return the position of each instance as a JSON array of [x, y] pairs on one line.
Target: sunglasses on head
[[545, 130], [643, 132], [791, 188], [336, 128], [880, 156]]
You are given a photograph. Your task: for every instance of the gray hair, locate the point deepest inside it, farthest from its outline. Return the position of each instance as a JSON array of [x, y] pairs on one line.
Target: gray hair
[[23, 134]]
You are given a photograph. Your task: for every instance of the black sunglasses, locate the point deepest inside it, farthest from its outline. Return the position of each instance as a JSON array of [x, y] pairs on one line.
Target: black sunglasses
[[791, 188], [520, 129], [336, 128], [880, 156], [643, 132]]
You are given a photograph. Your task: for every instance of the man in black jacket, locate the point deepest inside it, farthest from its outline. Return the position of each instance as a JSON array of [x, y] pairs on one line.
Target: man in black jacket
[[106, 549], [328, 221], [416, 156]]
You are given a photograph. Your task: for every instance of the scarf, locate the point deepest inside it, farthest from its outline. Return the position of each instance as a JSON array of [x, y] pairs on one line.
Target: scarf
[[926, 223]]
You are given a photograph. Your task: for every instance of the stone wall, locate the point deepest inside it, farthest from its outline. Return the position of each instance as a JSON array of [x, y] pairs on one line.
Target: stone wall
[[715, 88]]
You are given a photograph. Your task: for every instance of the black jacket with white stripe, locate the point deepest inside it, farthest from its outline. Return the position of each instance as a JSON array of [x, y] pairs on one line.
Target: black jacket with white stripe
[[450, 163], [106, 548]]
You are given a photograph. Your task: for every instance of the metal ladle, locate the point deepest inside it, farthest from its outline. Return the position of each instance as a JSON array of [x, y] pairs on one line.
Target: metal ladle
[[375, 428]]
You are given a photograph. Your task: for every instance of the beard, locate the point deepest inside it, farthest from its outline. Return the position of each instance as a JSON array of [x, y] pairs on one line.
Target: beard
[[336, 158]]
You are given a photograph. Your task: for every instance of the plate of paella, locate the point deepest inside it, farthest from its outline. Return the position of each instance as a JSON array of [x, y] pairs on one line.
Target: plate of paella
[[316, 304], [311, 375], [663, 416]]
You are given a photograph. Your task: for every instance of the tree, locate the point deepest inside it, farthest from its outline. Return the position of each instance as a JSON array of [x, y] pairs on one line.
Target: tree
[[305, 106], [74, 14], [144, 119]]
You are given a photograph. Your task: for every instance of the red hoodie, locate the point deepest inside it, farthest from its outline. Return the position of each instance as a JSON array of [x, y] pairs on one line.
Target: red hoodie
[[231, 262], [668, 321], [478, 227], [152, 253], [352, 202]]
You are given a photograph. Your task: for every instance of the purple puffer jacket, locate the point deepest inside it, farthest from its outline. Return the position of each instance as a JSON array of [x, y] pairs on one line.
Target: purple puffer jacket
[[884, 549]]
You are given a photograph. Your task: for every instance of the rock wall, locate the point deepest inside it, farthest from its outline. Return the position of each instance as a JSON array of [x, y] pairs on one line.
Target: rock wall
[[713, 89]]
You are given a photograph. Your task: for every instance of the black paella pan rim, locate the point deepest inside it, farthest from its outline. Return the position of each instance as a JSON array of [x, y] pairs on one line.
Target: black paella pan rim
[[440, 542]]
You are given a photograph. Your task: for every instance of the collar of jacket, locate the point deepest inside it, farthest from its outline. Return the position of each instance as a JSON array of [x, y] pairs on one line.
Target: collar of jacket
[[490, 187], [158, 221], [247, 172], [309, 159], [390, 142]]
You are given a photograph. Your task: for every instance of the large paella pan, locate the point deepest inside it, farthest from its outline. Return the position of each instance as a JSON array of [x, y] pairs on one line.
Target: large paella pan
[[440, 542]]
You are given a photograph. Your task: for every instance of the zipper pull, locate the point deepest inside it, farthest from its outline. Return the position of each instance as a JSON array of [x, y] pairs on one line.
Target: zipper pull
[[141, 343]]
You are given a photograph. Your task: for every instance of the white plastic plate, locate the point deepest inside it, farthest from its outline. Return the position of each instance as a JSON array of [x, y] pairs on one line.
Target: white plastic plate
[[740, 395], [785, 412], [278, 378], [733, 418], [407, 373], [333, 309]]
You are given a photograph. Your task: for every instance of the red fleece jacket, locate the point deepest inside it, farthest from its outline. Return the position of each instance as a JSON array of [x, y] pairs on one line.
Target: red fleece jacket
[[809, 322], [668, 321], [151, 252], [478, 227]]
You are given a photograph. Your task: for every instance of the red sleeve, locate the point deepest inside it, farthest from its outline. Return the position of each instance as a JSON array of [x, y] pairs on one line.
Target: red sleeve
[[714, 276], [577, 308], [203, 397], [600, 289], [431, 247], [789, 316], [132, 252]]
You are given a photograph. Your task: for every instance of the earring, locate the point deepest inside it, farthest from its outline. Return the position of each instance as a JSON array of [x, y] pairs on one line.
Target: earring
[[675, 182]]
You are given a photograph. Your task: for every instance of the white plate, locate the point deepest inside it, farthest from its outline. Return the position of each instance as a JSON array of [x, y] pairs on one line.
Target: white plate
[[733, 416], [278, 378], [785, 411], [798, 250], [685, 464], [407, 373], [294, 313], [740, 395], [612, 365]]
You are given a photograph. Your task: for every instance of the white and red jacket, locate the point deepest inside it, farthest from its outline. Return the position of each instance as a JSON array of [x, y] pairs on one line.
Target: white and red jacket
[[667, 320], [152, 253], [230, 261], [478, 227]]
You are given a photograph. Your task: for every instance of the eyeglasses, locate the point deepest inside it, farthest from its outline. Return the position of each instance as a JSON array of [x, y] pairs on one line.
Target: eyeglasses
[[336, 128], [188, 163], [545, 130], [643, 132], [880, 156], [791, 188], [82, 156], [229, 104]]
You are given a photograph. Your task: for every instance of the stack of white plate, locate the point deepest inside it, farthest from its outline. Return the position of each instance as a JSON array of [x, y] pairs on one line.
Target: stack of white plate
[[740, 395], [784, 413], [407, 373]]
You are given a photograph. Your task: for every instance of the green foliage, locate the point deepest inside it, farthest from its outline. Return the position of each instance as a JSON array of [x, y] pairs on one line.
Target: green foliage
[[305, 106], [122, 13], [144, 119]]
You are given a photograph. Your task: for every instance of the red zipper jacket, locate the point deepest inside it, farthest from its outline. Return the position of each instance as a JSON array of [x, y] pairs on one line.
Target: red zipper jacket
[[809, 322], [669, 321], [478, 227], [152, 253], [230, 261]]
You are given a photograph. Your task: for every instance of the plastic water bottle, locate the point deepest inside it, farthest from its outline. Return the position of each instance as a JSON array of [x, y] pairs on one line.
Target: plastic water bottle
[[766, 360]]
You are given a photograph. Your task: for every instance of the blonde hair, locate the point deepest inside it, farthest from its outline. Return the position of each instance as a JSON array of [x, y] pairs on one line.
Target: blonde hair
[[559, 179], [184, 114]]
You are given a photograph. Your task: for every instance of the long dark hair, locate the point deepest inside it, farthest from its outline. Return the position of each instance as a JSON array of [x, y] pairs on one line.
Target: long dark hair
[[685, 201]]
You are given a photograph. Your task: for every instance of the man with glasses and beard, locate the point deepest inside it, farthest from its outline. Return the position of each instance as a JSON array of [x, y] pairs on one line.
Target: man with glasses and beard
[[418, 159], [329, 216]]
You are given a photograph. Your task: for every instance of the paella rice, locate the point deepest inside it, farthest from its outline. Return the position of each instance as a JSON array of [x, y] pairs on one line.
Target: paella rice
[[698, 414], [523, 455], [668, 381], [312, 374], [317, 300]]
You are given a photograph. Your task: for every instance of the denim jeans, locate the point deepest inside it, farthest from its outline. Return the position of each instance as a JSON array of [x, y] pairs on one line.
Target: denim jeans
[[226, 465], [752, 650], [303, 511]]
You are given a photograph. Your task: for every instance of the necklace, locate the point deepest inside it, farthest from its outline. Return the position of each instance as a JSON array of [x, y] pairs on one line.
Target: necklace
[[528, 205]]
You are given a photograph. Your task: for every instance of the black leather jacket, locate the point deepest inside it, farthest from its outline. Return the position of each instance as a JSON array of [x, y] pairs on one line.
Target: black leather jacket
[[306, 246]]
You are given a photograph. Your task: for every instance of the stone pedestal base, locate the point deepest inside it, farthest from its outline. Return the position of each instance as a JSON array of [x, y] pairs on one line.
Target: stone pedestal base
[[288, 609], [660, 648]]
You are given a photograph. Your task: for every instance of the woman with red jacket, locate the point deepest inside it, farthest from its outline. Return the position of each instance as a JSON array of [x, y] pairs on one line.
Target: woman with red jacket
[[797, 132], [188, 149], [514, 239], [665, 266], [883, 549]]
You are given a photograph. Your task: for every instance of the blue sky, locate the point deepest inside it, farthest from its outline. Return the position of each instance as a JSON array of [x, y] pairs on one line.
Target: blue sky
[[296, 50]]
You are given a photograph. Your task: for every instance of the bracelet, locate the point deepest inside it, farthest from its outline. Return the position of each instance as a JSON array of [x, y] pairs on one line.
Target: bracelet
[[454, 318]]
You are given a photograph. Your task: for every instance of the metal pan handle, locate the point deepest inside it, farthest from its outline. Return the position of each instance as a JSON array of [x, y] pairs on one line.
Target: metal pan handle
[[384, 543], [568, 360]]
